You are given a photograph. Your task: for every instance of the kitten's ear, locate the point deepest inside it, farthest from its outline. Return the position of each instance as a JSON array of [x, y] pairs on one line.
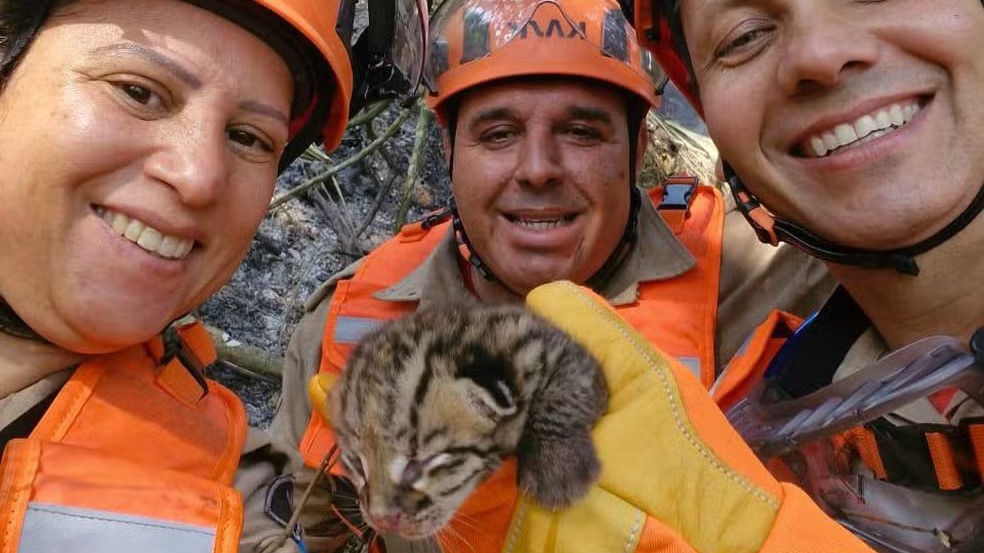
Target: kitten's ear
[[491, 396], [486, 378]]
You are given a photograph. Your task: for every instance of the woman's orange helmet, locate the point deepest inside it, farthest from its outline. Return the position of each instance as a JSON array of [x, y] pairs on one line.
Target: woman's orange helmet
[[315, 37], [328, 27], [478, 41]]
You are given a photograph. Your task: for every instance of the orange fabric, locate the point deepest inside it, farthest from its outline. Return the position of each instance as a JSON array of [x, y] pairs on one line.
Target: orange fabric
[[941, 400], [749, 364], [864, 443], [656, 537], [947, 473], [386, 265], [801, 527], [481, 523], [115, 440], [976, 432], [678, 315]]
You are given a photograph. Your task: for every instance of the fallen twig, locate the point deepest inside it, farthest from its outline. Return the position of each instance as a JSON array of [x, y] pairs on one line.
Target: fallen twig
[[247, 359]]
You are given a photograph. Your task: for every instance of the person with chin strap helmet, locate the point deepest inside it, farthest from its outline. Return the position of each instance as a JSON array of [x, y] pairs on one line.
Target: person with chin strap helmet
[[542, 104], [852, 131], [140, 142]]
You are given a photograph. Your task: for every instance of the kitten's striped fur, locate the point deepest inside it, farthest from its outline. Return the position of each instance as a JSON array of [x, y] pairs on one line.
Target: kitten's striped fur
[[431, 403]]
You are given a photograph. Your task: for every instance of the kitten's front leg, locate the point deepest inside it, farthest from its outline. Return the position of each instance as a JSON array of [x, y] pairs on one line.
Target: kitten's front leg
[[556, 455]]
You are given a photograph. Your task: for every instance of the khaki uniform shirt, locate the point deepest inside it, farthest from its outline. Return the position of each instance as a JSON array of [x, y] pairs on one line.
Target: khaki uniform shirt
[[755, 278]]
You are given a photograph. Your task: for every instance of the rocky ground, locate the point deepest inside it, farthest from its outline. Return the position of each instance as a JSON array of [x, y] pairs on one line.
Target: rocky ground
[[300, 244]]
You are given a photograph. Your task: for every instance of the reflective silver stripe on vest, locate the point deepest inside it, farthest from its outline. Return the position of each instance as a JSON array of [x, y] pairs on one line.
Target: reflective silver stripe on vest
[[56, 528], [692, 363], [349, 330]]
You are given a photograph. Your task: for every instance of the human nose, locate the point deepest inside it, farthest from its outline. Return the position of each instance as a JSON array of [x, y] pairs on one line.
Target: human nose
[[193, 161], [821, 47], [539, 162]]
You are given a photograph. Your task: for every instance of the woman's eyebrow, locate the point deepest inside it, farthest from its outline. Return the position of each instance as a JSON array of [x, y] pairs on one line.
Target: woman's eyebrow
[[179, 71], [260, 108], [151, 55]]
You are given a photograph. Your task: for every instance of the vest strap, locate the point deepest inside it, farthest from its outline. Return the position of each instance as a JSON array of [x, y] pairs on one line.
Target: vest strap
[[925, 456]]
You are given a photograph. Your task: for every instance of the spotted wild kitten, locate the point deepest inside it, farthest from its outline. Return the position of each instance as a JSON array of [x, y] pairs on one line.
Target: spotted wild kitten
[[431, 403]]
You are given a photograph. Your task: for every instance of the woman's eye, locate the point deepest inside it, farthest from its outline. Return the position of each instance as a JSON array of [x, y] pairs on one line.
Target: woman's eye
[[138, 93], [145, 99], [249, 140]]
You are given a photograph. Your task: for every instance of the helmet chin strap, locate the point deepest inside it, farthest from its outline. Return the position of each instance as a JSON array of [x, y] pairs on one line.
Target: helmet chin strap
[[13, 325], [772, 231]]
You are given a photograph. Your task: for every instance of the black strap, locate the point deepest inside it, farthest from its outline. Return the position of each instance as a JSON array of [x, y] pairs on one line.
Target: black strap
[[901, 259], [904, 452], [176, 347], [12, 324], [23, 425]]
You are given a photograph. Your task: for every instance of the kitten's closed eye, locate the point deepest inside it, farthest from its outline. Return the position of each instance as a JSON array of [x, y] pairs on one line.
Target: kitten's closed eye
[[433, 403]]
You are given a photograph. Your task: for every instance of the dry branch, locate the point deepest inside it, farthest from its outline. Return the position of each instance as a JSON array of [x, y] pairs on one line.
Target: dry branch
[[416, 159], [248, 359], [302, 188]]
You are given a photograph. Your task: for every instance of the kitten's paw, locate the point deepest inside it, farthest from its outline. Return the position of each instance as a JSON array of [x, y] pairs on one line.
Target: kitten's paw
[[558, 472]]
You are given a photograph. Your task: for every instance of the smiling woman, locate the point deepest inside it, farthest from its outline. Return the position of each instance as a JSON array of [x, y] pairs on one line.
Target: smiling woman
[[140, 142]]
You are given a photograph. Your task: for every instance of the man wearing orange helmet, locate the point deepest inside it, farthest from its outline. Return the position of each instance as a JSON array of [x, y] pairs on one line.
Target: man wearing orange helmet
[[543, 105], [140, 142], [852, 130]]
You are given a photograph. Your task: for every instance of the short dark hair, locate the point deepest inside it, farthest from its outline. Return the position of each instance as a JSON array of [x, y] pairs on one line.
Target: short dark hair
[[20, 21]]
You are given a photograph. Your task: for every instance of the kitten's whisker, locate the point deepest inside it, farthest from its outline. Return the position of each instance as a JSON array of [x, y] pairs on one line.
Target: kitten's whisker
[[469, 523], [454, 533]]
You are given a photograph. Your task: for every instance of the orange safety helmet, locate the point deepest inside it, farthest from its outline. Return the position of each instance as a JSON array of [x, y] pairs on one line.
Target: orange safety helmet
[[478, 41]]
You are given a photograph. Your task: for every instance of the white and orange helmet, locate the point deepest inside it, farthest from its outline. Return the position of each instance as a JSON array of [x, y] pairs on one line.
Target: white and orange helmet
[[473, 42]]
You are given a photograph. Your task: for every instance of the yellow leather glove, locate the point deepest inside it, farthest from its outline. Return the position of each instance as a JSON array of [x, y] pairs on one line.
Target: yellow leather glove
[[675, 475]]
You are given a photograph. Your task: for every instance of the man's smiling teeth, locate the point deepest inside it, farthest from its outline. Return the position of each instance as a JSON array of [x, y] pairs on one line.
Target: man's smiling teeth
[[148, 238], [863, 130], [541, 224]]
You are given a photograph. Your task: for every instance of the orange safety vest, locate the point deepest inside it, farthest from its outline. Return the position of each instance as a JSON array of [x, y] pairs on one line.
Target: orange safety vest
[[956, 455], [133, 455], [678, 314]]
